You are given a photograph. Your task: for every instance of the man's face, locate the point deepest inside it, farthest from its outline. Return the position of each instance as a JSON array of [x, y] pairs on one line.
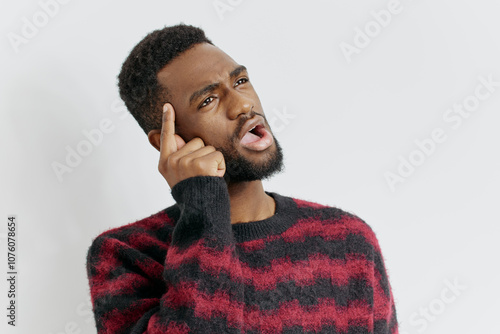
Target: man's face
[[214, 100]]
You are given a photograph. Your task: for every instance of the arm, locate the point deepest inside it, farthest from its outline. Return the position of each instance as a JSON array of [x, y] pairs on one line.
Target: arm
[[385, 319], [202, 268], [199, 289], [384, 311]]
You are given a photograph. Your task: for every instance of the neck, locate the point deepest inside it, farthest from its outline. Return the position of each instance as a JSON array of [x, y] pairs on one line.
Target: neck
[[249, 202]]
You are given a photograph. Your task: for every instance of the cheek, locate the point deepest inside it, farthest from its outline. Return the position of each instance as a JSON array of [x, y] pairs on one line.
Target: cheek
[[219, 134], [189, 127], [210, 133], [214, 138], [213, 130]]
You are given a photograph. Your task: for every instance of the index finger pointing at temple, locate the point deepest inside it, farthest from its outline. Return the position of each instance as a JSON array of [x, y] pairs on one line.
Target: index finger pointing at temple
[[167, 140]]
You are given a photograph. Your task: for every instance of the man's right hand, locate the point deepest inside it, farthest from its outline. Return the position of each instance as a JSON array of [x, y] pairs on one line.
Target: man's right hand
[[180, 160]]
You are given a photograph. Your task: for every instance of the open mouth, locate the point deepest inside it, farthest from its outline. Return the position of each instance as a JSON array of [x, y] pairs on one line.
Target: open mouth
[[256, 131], [257, 138]]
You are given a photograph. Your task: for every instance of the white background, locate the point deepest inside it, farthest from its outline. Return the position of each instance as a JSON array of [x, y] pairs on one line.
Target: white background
[[352, 123]]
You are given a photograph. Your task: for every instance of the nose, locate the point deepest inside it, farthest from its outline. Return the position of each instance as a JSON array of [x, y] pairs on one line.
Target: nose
[[238, 104]]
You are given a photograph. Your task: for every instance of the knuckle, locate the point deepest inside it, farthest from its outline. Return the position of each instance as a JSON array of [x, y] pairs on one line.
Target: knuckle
[[198, 164], [162, 165], [198, 141], [163, 169], [172, 160], [183, 163], [166, 164], [219, 154]]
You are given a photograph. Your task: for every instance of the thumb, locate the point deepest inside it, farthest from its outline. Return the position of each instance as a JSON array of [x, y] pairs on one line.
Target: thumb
[[179, 141], [221, 167]]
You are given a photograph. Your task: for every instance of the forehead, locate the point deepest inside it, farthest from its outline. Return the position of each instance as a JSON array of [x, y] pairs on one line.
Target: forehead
[[197, 67]]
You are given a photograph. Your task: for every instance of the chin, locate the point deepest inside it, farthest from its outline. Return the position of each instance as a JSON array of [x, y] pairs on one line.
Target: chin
[[242, 168]]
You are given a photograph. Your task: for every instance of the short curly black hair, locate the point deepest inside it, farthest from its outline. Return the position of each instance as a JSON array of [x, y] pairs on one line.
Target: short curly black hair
[[139, 88]]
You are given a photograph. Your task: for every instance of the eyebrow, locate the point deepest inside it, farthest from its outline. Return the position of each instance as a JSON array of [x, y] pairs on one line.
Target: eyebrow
[[208, 88]]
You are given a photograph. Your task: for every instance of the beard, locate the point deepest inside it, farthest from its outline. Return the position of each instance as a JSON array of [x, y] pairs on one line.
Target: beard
[[241, 169]]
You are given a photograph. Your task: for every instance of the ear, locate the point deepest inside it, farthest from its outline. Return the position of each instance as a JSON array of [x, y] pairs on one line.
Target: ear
[[154, 137]]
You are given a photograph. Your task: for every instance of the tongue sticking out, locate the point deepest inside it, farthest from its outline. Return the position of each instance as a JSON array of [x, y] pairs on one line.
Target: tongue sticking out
[[249, 137], [257, 139]]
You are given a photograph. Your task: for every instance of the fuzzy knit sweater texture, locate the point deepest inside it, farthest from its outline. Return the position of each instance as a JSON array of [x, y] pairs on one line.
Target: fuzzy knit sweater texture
[[308, 268]]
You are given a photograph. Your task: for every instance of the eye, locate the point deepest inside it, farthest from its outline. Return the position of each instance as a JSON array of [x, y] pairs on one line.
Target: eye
[[241, 81], [207, 101]]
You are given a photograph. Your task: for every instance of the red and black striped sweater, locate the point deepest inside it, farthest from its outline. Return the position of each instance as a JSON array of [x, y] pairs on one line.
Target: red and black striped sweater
[[307, 269]]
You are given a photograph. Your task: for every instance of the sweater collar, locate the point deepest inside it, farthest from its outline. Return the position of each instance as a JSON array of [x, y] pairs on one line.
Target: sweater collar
[[285, 215]]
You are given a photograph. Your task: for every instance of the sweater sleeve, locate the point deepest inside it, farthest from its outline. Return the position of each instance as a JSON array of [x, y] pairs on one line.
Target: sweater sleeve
[[384, 310], [200, 287], [385, 318]]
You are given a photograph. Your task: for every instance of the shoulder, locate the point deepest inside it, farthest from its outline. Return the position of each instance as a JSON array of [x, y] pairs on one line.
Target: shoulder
[[150, 235], [333, 223]]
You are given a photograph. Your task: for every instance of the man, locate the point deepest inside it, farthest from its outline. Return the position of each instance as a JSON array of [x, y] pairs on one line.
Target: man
[[228, 257]]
